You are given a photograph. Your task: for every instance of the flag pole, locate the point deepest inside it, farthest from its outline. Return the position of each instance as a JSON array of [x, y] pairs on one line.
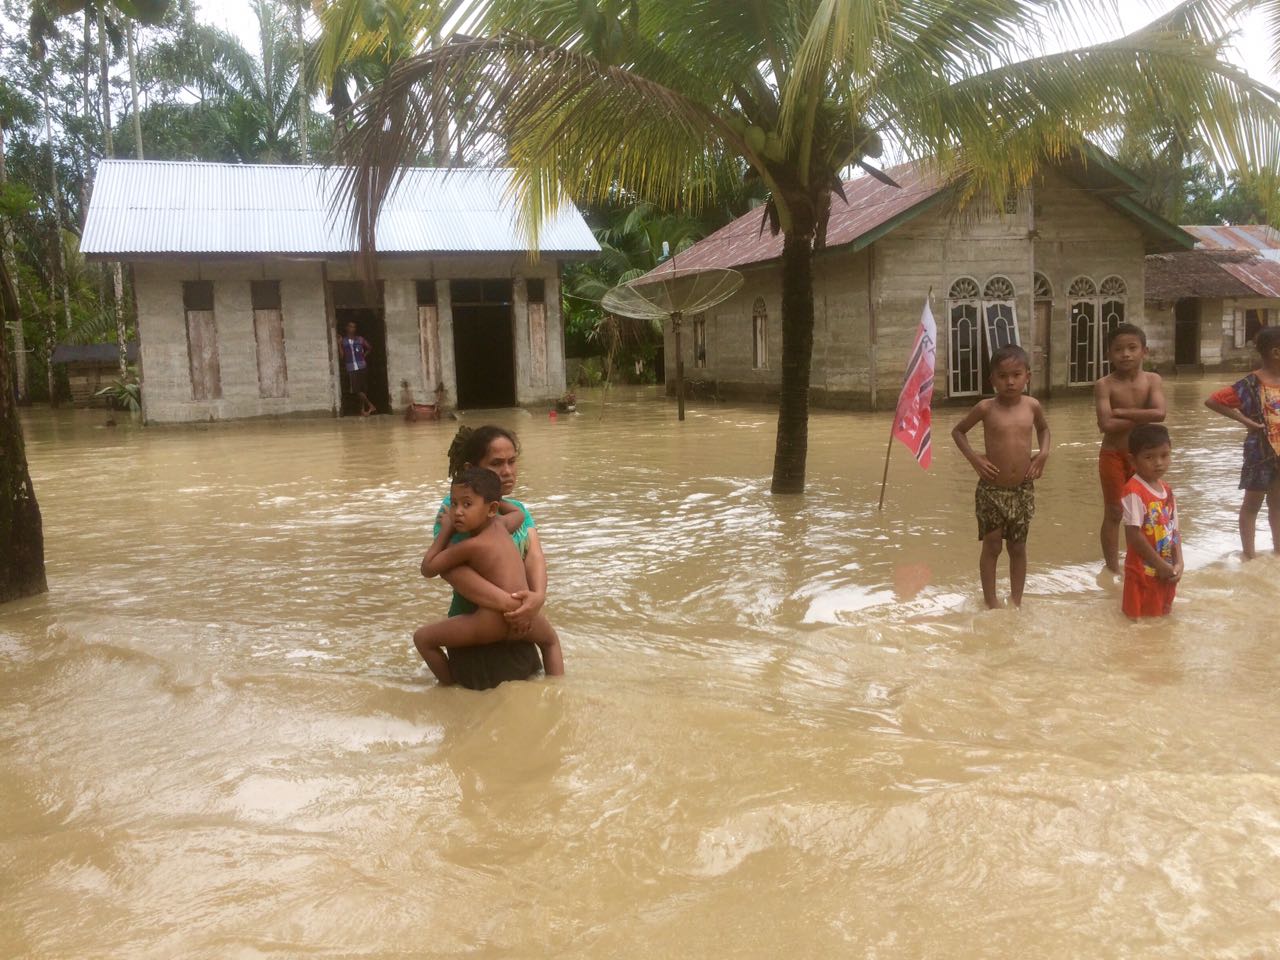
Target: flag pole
[[884, 480]]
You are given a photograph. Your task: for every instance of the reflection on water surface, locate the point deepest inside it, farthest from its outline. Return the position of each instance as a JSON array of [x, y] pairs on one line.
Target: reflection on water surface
[[788, 730]]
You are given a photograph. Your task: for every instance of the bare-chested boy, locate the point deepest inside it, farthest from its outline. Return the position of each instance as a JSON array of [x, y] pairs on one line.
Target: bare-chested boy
[[489, 550], [1005, 498], [1125, 397]]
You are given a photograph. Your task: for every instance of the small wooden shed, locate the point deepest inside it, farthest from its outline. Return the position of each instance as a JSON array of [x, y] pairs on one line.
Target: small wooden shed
[[91, 366]]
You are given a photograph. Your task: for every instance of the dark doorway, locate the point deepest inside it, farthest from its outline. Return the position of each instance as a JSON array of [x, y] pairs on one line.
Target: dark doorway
[[484, 343], [1186, 332], [351, 303]]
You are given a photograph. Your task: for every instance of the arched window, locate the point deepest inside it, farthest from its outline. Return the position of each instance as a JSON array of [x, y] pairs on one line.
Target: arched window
[[999, 314], [1095, 312], [1082, 358], [964, 340], [1043, 288], [760, 335], [981, 320], [700, 340], [1112, 296]]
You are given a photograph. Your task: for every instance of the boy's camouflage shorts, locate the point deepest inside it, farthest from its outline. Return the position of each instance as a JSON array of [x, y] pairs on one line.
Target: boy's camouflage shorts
[[1005, 508]]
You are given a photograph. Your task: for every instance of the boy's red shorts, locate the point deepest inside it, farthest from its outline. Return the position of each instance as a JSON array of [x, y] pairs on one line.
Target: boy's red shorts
[[1146, 596], [1115, 467]]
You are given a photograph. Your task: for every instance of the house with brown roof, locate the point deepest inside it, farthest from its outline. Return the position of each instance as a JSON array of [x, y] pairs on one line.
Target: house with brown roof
[[1217, 296], [1053, 270]]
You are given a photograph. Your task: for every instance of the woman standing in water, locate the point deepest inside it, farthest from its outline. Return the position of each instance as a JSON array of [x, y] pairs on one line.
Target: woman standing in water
[[479, 668]]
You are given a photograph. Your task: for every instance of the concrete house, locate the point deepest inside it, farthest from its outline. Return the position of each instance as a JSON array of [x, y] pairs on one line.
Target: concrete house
[[244, 275], [1217, 296], [1054, 270]]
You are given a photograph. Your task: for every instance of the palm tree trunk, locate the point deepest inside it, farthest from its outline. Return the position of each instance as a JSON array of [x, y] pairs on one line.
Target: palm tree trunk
[[87, 106], [9, 264], [117, 272], [104, 86], [304, 105], [51, 331], [22, 560], [439, 120], [797, 355], [133, 89]]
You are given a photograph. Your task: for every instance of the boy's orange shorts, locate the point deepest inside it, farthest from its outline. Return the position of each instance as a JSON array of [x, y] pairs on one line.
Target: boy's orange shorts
[[1115, 467]]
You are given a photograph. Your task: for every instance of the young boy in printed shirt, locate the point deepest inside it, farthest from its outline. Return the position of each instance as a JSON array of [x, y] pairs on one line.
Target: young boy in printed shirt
[[1153, 561]]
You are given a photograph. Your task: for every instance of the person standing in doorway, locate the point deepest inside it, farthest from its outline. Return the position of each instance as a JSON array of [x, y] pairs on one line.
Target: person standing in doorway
[[355, 351]]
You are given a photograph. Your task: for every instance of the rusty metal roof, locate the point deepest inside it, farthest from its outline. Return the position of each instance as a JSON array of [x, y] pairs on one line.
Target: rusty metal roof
[[1260, 275], [1254, 237], [1212, 273], [155, 208], [871, 204]]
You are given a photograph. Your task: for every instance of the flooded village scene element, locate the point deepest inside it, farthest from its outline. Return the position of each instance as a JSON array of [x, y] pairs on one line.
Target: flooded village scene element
[[635, 478]]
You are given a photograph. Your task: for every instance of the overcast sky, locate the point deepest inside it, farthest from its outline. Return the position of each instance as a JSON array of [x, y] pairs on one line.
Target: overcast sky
[[1250, 50]]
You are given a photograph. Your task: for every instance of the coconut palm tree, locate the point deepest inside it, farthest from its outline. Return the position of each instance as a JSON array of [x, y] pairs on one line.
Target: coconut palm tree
[[652, 97], [22, 560]]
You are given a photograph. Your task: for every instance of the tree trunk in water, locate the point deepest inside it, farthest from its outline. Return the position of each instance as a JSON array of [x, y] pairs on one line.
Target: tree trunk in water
[[22, 559], [797, 356], [51, 333], [304, 104], [133, 90]]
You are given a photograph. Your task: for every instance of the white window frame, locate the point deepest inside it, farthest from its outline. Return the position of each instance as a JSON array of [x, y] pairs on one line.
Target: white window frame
[[964, 304], [1108, 302], [993, 309], [759, 335]]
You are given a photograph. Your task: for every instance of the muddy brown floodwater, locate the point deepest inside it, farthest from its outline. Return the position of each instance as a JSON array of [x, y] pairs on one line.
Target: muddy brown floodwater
[[787, 729]]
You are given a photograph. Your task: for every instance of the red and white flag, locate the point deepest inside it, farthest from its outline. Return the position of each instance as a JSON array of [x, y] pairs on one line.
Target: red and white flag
[[913, 420]]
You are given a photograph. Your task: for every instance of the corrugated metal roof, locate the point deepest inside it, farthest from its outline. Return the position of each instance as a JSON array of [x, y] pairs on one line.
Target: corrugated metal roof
[[147, 208], [1192, 273], [1261, 276], [1212, 273], [871, 204], [1252, 237]]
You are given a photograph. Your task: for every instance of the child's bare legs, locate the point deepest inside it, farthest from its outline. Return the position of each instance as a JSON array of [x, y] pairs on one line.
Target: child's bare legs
[[544, 635], [1017, 571], [1110, 535], [466, 630], [1249, 510], [1273, 515], [1249, 520], [991, 544]]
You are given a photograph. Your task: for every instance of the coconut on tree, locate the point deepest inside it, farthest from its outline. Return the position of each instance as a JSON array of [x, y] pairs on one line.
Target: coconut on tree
[[654, 97]]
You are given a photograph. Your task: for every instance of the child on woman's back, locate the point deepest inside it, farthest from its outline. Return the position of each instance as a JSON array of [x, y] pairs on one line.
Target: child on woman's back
[[1255, 402], [490, 551], [1005, 498], [1153, 561]]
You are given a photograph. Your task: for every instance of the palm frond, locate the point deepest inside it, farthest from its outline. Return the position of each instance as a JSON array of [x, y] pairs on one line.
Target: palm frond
[[569, 119]]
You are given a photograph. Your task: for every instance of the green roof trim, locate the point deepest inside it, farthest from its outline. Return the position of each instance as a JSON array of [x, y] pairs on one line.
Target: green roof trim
[[875, 233], [1153, 220], [1093, 154]]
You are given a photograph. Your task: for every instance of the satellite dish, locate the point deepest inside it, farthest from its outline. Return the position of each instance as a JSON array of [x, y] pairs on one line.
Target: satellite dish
[[673, 294]]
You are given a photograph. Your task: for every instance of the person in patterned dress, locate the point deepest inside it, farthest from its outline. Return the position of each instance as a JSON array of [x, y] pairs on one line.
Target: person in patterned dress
[[1254, 401]]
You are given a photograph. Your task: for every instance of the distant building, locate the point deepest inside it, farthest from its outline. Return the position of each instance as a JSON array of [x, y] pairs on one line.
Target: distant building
[[244, 275], [1219, 295], [1054, 270], [92, 366]]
